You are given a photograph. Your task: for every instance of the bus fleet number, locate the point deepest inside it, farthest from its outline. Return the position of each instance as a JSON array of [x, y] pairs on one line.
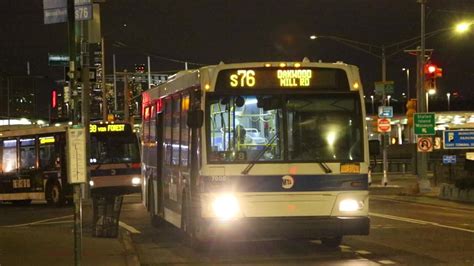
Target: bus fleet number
[[21, 183]]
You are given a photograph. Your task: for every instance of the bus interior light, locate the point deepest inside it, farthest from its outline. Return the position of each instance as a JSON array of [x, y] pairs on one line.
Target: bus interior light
[[282, 65]]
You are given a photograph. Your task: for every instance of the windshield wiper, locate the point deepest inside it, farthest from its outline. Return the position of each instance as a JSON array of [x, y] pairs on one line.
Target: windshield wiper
[[325, 167], [259, 155]]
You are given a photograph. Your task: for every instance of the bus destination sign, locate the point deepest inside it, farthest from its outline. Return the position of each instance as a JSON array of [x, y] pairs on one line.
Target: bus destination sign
[[107, 128], [284, 78]]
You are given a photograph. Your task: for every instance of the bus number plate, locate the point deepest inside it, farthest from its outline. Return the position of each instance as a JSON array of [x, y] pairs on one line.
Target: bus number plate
[[350, 168], [21, 183]]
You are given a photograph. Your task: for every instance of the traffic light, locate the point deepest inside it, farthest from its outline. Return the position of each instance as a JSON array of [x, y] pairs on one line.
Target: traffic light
[[432, 72], [411, 110], [140, 68]]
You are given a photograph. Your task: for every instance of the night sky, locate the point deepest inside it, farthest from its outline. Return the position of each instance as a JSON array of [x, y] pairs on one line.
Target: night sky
[[210, 31]]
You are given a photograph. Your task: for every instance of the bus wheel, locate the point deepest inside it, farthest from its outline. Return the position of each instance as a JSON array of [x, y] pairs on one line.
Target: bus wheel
[[21, 202], [54, 194], [331, 242]]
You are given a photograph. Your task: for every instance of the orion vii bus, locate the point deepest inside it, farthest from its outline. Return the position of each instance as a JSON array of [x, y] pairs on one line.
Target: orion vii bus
[[33, 163], [258, 150]]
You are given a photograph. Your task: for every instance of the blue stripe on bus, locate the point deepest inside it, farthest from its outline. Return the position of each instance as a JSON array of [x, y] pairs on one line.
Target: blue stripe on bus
[[115, 171], [272, 183]]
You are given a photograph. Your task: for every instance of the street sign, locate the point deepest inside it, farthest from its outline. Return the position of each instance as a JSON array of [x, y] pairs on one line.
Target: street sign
[[385, 111], [55, 11], [92, 74], [449, 159], [383, 125], [458, 139], [58, 59], [424, 144], [424, 123], [437, 143], [384, 87]]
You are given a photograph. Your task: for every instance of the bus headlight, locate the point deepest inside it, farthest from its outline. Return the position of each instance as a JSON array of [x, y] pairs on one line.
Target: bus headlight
[[136, 181], [350, 205], [225, 207]]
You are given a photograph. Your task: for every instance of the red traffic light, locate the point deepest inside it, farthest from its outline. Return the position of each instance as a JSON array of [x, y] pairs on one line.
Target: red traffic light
[[430, 69]]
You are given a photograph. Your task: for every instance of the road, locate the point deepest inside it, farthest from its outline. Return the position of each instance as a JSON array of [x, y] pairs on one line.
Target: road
[[402, 232]]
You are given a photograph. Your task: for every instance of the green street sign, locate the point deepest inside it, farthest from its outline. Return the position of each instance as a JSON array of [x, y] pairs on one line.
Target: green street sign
[[424, 123], [384, 87]]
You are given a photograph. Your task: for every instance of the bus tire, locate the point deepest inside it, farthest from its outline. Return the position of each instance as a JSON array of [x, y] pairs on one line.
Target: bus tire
[[54, 194], [331, 242]]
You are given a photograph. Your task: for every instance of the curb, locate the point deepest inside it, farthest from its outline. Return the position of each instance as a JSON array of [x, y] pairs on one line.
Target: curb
[[131, 256]]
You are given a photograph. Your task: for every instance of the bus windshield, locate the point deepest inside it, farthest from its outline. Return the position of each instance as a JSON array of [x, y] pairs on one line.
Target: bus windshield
[[295, 128], [114, 148]]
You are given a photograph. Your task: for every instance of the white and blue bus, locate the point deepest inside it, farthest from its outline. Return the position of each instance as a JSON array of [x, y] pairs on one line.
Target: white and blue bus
[[258, 150]]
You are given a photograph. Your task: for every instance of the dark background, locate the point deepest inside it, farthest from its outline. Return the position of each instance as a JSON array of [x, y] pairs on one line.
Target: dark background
[[209, 31]]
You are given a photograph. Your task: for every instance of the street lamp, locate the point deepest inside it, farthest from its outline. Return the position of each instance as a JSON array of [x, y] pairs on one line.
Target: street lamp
[[407, 71], [448, 95], [388, 99], [373, 106]]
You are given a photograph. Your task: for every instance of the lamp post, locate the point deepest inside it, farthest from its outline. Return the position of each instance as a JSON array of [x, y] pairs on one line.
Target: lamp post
[[373, 106], [407, 71], [388, 99], [448, 95]]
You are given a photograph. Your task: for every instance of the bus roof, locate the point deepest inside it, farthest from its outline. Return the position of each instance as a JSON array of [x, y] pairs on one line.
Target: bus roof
[[31, 131]]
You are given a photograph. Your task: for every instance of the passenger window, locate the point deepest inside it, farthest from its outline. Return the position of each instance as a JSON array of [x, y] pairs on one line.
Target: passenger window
[[184, 131], [9, 161], [48, 158], [176, 133], [27, 153], [167, 134]]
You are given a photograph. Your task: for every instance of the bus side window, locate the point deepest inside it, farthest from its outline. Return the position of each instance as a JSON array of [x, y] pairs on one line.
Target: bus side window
[[47, 154], [27, 153], [9, 161]]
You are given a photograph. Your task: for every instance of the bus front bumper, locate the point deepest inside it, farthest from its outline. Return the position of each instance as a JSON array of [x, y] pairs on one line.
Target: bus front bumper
[[283, 228]]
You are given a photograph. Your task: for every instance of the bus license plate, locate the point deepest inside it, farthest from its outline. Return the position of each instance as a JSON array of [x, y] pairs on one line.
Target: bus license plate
[[21, 183]]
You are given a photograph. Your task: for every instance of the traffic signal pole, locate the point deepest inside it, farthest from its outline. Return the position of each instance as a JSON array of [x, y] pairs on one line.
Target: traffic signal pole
[[422, 158]]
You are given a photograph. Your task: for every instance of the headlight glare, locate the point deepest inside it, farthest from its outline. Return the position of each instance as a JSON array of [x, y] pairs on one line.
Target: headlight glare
[[136, 181], [225, 207], [350, 205]]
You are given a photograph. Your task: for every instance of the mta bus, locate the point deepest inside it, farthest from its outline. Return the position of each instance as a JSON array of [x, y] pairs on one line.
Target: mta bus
[[33, 163], [259, 150]]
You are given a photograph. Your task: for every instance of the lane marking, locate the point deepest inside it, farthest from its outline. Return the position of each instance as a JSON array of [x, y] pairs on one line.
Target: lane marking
[[363, 252], [38, 222], [461, 209], [386, 262], [415, 221], [129, 228]]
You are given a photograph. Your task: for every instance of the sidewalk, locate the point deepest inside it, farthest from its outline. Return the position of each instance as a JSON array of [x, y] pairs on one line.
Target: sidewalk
[[51, 242], [404, 187]]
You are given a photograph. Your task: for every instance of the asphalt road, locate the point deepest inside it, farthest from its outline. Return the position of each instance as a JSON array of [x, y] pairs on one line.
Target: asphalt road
[[402, 233]]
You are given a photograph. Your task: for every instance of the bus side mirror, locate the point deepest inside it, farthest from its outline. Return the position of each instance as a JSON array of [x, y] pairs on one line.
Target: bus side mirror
[[195, 118], [374, 147]]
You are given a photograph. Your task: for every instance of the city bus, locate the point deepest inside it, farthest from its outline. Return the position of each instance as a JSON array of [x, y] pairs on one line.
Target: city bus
[[33, 163], [260, 150]]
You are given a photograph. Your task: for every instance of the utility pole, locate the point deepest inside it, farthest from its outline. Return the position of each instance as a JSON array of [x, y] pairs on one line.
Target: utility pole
[[126, 98], [384, 135], [422, 157]]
